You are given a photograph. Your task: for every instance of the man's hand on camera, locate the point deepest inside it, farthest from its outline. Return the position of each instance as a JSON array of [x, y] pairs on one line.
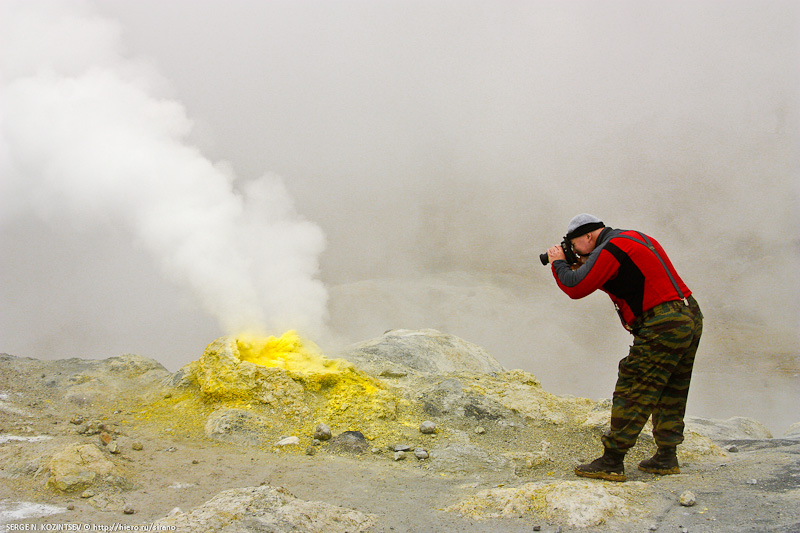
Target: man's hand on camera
[[580, 263], [555, 253]]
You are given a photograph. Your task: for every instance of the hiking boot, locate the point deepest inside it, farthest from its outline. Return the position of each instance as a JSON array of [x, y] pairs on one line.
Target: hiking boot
[[662, 463], [610, 466]]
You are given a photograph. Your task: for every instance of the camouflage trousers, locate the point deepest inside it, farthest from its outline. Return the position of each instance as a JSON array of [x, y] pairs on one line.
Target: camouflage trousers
[[654, 378]]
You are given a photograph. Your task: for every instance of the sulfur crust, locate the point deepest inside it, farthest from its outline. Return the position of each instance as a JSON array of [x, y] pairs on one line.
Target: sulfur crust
[[288, 382]]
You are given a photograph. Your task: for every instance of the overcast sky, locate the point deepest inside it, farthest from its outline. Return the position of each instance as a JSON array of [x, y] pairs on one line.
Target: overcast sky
[[174, 170], [458, 135]]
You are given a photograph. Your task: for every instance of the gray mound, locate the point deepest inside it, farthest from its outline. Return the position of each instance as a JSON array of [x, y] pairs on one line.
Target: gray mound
[[428, 351]]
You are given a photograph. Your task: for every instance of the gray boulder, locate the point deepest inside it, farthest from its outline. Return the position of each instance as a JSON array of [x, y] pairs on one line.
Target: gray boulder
[[427, 351], [449, 397], [793, 432], [352, 442], [734, 428]]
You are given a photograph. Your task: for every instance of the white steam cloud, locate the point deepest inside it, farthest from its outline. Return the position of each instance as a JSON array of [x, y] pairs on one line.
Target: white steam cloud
[[89, 137]]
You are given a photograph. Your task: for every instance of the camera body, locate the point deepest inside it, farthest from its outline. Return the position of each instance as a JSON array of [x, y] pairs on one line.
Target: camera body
[[569, 253]]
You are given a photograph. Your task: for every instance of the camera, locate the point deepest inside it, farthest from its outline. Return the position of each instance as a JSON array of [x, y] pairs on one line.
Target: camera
[[569, 254]]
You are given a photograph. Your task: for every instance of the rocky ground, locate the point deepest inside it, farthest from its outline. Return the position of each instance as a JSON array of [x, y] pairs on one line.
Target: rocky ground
[[427, 433]]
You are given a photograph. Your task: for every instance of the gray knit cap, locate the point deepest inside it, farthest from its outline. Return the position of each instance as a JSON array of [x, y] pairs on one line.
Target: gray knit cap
[[583, 224]]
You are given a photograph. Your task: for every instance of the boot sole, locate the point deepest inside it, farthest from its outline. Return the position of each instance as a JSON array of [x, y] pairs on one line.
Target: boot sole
[[608, 476], [660, 471]]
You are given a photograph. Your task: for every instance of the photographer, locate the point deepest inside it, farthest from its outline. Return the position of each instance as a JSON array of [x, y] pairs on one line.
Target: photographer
[[666, 323]]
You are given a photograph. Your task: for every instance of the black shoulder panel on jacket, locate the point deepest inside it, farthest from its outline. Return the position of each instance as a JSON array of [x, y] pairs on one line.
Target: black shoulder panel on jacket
[[628, 284]]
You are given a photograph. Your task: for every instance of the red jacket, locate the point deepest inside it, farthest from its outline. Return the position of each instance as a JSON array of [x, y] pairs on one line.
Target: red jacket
[[627, 270]]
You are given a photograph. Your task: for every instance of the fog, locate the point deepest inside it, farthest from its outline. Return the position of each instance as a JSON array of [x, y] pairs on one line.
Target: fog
[[174, 171]]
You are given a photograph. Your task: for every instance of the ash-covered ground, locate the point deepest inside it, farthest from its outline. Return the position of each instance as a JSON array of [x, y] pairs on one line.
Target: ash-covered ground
[[411, 431]]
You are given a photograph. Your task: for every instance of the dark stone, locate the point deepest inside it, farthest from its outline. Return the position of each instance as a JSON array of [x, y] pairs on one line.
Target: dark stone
[[482, 412], [349, 442]]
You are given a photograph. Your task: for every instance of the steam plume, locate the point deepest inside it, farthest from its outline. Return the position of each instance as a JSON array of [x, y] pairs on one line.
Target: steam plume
[[89, 136]]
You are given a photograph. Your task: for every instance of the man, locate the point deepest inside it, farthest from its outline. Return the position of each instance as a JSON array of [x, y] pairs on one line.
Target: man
[[658, 309]]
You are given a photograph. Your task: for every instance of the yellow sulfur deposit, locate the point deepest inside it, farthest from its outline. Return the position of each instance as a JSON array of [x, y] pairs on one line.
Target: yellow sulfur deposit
[[345, 397], [288, 351], [301, 360], [289, 387]]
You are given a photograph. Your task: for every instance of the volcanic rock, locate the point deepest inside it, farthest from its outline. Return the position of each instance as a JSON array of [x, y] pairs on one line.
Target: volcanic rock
[[349, 442], [77, 466], [265, 508], [426, 351], [793, 432], [580, 504], [322, 432], [278, 386], [463, 458], [222, 375], [737, 427], [84, 382], [237, 426], [450, 397], [107, 502], [427, 427], [688, 499]]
